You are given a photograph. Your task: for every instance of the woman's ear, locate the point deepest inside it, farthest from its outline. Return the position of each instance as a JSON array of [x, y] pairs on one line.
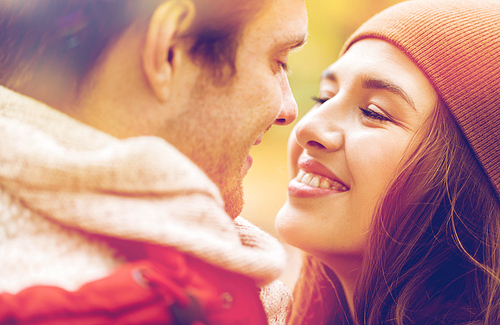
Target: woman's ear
[[169, 21]]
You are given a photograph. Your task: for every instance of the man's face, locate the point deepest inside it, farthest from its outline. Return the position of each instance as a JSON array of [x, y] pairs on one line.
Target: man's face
[[219, 124]]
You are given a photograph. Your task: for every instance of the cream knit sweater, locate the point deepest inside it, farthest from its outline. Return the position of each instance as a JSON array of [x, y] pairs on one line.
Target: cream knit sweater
[[61, 181]]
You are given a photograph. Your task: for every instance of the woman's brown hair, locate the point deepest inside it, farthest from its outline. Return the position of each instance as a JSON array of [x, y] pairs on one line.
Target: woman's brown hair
[[433, 255]]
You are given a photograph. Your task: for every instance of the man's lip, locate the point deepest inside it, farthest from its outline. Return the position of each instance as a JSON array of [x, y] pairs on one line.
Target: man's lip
[[258, 140], [312, 166], [248, 159]]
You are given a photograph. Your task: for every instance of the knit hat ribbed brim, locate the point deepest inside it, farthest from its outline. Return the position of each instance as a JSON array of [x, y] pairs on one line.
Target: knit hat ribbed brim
[[456, 43]]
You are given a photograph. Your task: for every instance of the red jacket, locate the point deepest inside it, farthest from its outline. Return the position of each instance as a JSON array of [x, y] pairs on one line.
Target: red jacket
[[172, 288]]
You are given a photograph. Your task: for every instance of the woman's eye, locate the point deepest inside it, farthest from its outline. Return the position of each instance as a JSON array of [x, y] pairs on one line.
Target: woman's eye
[[373, 115], [319, 100]]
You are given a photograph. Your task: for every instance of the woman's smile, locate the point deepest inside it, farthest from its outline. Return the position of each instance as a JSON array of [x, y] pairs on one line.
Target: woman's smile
[[314, 180], [346, 149]]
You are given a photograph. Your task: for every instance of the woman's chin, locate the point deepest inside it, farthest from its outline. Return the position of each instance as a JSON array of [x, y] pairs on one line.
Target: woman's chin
[[290, 227]]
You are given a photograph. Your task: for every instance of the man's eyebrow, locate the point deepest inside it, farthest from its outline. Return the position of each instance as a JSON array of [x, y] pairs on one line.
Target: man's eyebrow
[[296, 42], [299, 42], [372, 83]]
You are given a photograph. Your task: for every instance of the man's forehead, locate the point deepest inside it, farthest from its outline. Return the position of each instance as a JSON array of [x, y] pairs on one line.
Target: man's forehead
[[283, 23]]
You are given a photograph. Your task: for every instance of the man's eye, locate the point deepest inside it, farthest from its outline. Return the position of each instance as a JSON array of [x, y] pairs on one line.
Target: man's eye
[[284, 66]]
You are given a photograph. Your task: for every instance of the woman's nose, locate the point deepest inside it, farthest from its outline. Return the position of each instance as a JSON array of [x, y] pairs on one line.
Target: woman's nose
[[319, 131]]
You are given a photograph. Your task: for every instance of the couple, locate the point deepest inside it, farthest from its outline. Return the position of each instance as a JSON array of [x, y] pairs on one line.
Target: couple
[[395, 172]]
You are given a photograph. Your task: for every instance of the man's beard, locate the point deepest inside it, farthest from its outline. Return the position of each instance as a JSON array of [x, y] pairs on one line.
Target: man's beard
[[229, 179], [226, 174], [233, 196]]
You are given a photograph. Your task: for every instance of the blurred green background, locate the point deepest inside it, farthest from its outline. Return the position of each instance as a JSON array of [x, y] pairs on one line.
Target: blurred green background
[[330, 23]]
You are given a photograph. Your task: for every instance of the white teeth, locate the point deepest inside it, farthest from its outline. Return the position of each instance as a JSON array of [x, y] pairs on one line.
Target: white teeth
[[338, 186], [319, 181], [306, 179], [324, 184], [314, 182]]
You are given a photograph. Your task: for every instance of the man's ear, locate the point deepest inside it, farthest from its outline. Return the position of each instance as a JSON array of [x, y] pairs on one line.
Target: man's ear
[[170, 20]]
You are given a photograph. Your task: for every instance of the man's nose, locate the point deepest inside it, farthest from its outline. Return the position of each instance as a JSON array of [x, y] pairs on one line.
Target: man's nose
[[289, 110]]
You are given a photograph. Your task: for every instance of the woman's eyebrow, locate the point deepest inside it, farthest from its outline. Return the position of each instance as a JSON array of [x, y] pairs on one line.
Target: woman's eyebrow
[[373, 83], [330, 75]]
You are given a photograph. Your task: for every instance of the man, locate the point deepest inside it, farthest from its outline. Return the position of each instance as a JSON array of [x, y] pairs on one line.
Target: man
[[89, 191]]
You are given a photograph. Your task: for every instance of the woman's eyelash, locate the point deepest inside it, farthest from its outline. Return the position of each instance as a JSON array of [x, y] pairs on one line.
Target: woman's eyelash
[[371, 114], [368, 113], [319, 100]]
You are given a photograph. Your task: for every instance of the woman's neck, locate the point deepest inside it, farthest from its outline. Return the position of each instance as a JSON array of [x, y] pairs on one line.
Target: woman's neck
[[346, 269]]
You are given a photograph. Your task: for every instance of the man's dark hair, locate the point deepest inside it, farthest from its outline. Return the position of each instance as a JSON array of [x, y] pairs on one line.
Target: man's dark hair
[[71, 34]]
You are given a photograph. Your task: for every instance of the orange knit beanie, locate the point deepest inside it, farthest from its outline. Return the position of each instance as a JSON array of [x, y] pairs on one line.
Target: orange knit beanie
[[456, 43]]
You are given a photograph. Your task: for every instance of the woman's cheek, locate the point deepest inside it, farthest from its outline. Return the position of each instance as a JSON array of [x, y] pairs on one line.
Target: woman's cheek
[[294, 152]]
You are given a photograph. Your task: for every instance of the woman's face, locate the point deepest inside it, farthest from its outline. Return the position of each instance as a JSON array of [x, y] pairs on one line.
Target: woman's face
[[345, 151]]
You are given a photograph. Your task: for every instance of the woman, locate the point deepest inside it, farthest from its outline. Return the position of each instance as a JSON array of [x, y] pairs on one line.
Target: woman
[[396, 173]]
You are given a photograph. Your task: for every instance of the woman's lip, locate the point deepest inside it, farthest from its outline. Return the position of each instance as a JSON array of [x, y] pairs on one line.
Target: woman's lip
[[301, 190], [312, 166]]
